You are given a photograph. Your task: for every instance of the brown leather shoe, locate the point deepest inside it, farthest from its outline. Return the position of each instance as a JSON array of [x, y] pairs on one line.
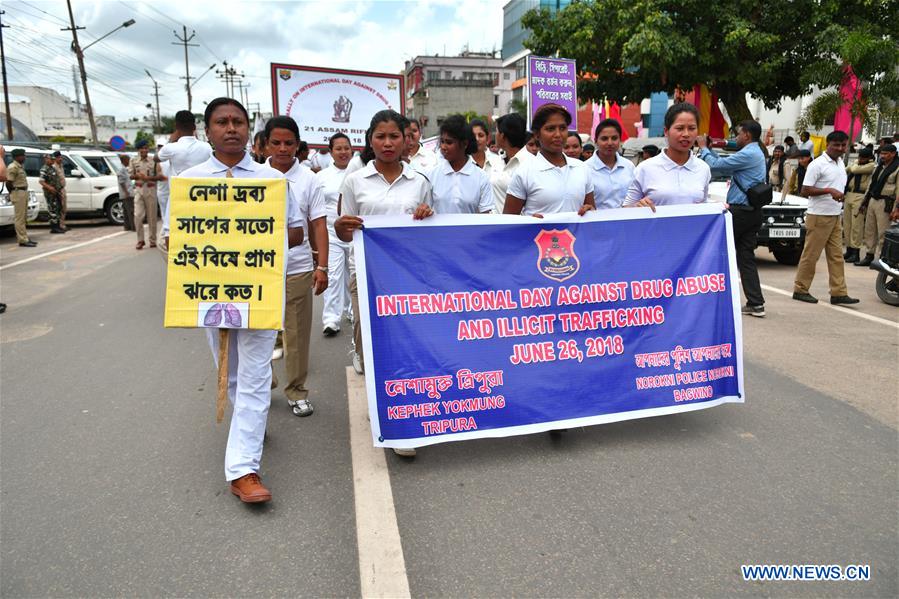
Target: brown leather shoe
[[249, 489], [139, 246]]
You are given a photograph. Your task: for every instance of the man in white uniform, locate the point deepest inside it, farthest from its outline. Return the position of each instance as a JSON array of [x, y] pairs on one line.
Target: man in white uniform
[[182, 152]]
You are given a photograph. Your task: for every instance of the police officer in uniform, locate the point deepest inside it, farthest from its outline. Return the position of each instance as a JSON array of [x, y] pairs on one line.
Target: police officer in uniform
[[859, 174], [51, 186], [17, 183], [145, 173]]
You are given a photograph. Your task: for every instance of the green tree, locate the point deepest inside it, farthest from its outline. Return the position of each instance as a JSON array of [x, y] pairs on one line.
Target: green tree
[[471, 115], [521, 107], [873, 58], [632, 48], [143, 135]]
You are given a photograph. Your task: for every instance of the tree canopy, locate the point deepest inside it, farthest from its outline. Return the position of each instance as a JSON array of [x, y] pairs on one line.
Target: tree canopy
[[631, 48]]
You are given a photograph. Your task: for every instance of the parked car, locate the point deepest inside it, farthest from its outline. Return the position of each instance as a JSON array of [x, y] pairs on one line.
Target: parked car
[[105, 163], [8, 212], [783, 223], [88, 192]]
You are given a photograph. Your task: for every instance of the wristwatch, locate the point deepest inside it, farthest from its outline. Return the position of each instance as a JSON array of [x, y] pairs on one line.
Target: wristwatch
[[324, 269]]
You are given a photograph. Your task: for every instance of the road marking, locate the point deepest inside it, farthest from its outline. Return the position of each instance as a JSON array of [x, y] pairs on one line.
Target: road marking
[[64, 249], [382, 568], [843, 310]]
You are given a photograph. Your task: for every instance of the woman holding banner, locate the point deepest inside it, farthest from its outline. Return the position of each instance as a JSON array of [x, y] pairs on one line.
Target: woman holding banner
[[282, 142], [385, 185], [610, 172], [459, 186], [675, 175], [551, 182], [337, 295], [249, 350]]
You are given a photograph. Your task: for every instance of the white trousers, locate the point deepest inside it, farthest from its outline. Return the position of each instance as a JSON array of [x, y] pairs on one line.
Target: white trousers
[[337, 295], [250, 392]]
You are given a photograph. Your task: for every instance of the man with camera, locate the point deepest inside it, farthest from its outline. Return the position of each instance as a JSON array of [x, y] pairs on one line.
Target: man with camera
[[747, 194]]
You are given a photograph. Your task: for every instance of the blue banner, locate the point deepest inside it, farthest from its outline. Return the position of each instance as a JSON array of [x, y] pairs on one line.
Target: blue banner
[[488, 326]]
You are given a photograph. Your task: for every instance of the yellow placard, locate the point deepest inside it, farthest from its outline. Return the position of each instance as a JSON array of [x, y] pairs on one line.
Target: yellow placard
[[227, 253]]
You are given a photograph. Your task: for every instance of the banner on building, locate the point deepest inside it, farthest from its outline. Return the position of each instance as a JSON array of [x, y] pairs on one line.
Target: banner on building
[[552, 81], [489, 326], [327, 101], [227, 253]]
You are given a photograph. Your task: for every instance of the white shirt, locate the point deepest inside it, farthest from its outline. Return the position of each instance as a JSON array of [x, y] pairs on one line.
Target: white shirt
[[808, 145], [188, 151], [321, 161], [247, 168], [367, 193], [547, 189], [492, 163], [668, 183], [355, 163], [423, 160], [162, 187], [466, 191], [306, 192], [610, 185], [331, 179], [825, 172], [500, 179]]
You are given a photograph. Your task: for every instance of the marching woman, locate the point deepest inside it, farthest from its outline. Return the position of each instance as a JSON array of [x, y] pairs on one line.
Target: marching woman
[[337, 295], [610, 172], [458, 185], [511, 137], [249, 350], [421, 159], [385, 185], [483, 157], [573, 145], [551, 182], [675, 175], [282, 141]]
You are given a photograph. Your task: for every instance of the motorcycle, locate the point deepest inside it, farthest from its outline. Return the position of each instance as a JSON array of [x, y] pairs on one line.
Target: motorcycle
[[887, 284]]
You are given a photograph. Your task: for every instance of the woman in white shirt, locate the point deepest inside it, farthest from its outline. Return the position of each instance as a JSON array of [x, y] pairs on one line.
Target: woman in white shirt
[[458, 185], [551, 182], [511, 137], [483, 157], [610, 172], [675, 175], [386, 185], [337, 295]]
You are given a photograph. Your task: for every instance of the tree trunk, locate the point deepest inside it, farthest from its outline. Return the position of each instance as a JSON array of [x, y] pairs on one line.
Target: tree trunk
[[734, 99]]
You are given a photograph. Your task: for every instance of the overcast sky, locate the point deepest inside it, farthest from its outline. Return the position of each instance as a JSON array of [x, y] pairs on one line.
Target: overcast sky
[[372, 35]]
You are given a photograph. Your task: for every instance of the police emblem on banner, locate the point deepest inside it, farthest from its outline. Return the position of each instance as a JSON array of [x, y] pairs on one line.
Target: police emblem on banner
[[556, 259], [284, 74]]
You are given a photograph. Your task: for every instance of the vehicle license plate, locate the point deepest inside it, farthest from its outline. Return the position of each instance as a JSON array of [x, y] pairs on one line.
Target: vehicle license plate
[[783, 232]]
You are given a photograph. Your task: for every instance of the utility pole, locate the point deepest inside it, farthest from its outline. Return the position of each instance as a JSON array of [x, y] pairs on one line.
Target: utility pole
[[77, 49], [184, 41], [244, 99], [5, 86], [155, 93], [77, 91], [229, 75]]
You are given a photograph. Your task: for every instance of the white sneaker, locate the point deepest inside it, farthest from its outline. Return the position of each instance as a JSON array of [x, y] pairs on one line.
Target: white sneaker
[[404, 453], [357, 364], [278, 353]]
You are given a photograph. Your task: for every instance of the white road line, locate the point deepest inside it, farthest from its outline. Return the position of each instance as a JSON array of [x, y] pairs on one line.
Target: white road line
[[843, 310], [64, 249], [382, 568]]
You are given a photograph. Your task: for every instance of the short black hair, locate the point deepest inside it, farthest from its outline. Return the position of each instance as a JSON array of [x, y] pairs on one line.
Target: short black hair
[[479, 123], [184, 121], [789, 140], [676, 109], [337, 136], [456, 127], [578, 136], [302, 146], [651, 149], [547, 110], [805, 133], [387, 116], [837, 136], [607, 123], [223, 101], [514, 128], [417, 124], [753, 128], [282, 122], [779, 147]]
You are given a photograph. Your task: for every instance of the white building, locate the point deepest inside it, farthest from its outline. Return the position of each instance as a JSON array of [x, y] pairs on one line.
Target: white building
[[50, 114]]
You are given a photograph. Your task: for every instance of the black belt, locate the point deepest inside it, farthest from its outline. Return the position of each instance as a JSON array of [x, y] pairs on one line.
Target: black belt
[[20, 189]]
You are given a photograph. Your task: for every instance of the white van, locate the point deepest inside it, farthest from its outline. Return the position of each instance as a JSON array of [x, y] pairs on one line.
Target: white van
[[88, 193]]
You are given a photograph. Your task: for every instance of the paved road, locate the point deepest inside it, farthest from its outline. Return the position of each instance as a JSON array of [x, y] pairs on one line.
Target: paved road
[[112, 484]]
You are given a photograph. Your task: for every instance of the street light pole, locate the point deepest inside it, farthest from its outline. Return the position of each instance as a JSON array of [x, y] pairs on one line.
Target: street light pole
[[80, 55], [5, 86]]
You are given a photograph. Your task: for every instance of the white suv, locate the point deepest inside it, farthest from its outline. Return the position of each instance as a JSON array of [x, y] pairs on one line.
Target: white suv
[[87, 191]]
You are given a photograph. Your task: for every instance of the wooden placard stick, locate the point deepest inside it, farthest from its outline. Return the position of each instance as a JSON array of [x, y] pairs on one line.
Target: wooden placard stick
[[222, 397]]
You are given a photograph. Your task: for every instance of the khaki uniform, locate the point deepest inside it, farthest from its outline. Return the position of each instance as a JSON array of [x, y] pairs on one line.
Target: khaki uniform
[[877, 218], [17, 183], [144, 196], [853, 222], [62, 193]]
